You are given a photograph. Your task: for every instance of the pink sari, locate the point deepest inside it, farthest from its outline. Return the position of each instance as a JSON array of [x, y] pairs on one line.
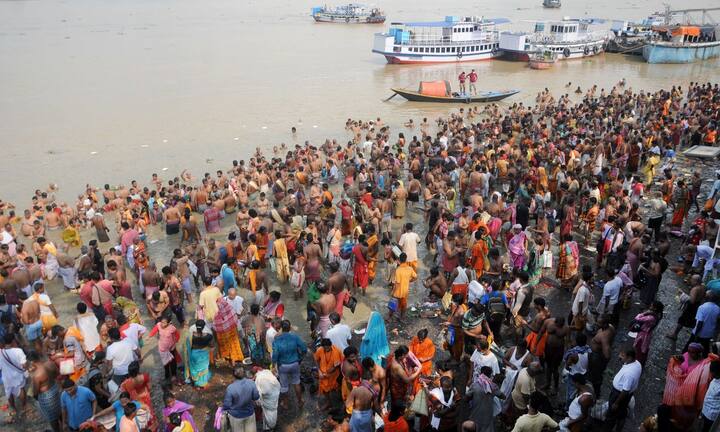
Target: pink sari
[[516, 249]]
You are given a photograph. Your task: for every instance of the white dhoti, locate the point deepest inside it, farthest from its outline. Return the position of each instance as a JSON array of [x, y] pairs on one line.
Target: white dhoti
[[269, 389], [69, 277], [51, 267]]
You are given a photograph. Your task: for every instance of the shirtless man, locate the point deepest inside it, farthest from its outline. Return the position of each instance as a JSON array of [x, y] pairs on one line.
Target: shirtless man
[[377, 377], [263, 205], [52, 220], [30, 318], [254, 326], [436, 283], [172, 220], [601, 346], [43, 375], [324, 306], [687, 318], [362, 402], [338, 285], [10, 288], [557, 333], [400, 377], [313, 260], [542, 313]]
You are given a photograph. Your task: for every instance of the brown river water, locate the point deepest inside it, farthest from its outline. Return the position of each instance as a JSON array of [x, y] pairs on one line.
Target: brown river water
[[97, 92]]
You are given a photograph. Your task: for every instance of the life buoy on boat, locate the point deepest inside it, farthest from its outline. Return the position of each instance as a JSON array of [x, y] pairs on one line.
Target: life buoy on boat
[[495, 50], [459, 54], [566, 52], [347, 20], [586, 51], [595, 49]]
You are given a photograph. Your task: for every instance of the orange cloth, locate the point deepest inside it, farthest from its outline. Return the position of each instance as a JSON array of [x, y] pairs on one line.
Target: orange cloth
[[479, 255], [327, 360], [399, 425], [536, 344]]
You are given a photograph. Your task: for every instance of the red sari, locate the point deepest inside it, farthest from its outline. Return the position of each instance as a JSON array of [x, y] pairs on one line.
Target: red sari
[[141, 393]]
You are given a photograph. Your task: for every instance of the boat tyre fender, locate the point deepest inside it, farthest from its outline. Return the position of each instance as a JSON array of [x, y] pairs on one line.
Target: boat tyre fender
[[566, 52], [586, 51], [595, 49], [636, 31], [347, 20], [495, 51], [459, 55]]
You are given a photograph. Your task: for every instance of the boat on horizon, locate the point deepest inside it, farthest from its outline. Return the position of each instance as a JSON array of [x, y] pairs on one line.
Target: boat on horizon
[[456, 39], [441, 91], [352, 13], [551, 4], [568, 38]]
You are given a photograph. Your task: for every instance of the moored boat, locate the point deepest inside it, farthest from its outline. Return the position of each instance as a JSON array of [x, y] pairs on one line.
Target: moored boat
[[352, 13], [568, 38], [683, 44], [452, 40], [552, 3], [543, 60], [441, 91]]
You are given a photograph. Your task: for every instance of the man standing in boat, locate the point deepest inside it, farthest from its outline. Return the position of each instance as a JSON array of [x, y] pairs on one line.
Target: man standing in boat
[[473, 79], [461, 78]]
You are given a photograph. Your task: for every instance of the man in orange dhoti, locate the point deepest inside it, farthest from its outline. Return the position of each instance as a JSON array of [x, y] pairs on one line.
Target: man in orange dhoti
[[372, 253], [424, 350], [329, 358]]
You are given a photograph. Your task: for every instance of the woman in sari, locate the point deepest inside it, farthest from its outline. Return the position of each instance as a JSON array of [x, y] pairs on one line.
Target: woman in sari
[[137, 386], [197, 354], [517, 246], [174, 406], [211, 215], [375, 342], [652, 162], [648, 320], [225, 324], [280, 252], [685, 387], [568, 262]]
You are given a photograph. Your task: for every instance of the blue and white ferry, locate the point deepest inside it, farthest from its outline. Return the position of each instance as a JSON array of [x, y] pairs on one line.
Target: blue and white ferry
[[568, 38], [456, 39], [352, 13]]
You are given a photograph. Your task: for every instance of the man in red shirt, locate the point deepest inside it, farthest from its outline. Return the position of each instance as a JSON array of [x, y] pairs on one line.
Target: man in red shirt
[[461, 78], [473, 79]]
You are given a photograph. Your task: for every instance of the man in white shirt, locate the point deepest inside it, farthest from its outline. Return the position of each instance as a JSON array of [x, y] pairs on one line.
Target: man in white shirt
[[87, 323], [271, 332], [12, 367], [482, 356], [475, 291], [610, 298], [119, 355], [339, 334], [237, 303], [624, 384], [711, 404], [408, 242]]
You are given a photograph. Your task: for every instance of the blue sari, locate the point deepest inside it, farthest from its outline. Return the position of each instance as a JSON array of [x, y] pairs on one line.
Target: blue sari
[[375, 342], [197, 367]]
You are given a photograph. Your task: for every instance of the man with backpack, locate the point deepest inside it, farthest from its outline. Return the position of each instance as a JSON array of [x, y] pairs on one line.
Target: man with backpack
[[496, 305]]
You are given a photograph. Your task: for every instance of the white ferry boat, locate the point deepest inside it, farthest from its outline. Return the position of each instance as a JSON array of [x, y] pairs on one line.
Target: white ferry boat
[[457, 39], [352, 13], [569, 38]]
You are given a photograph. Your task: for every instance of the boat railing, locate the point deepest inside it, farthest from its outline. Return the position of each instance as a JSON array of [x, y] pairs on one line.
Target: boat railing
[[448, 42], [544, 38]]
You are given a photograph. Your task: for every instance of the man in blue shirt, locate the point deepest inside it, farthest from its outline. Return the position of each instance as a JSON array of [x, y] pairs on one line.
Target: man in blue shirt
[[706, 320], [78, 405], [239, 402], [288, 351]]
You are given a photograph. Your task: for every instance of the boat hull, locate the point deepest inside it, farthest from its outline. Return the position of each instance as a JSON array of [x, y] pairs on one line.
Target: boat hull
[[673, 53], [541, 65], [339, 19], [481, 97], [572, 53], [403, 58]]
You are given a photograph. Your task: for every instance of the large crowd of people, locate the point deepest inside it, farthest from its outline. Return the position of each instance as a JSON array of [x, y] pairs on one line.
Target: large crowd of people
[[527, 231]]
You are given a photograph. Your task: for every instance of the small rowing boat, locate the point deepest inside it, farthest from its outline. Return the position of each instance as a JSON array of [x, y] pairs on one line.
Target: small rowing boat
[[440, 91], [543, 60]]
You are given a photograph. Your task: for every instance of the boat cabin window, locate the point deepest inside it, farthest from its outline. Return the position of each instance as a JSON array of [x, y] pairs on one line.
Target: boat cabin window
[[539, 27]]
